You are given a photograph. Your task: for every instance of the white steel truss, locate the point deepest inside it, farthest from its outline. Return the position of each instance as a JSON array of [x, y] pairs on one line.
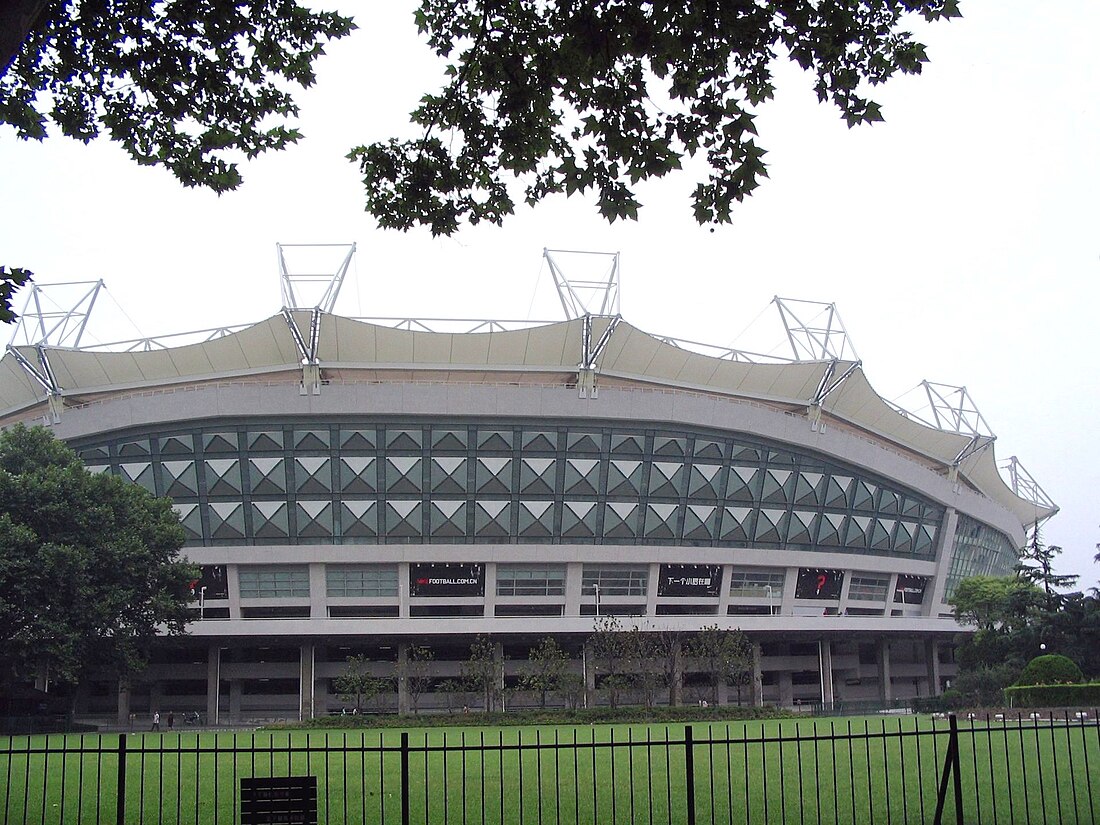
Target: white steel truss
[[592, 296], [46, 321], [1025, 486], [313, 285], [815, 331], [464, 326]]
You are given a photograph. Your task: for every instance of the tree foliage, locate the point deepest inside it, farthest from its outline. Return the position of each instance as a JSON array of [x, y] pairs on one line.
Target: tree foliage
[[418, 673], [358, 684], [10, 280], [90, 570], [725, 656], [547, 664], [609, 654], [1050, 669], [603, 94], [483, 672]]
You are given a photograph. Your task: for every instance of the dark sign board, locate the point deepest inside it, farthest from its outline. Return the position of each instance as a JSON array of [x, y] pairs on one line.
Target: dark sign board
[[815, 583], [689, 580], [910, 589], [213, 578], [447, 579]]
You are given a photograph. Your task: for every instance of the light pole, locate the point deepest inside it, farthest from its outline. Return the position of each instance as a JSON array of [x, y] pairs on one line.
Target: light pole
[[771, 608], [202, 600], [596, 589]]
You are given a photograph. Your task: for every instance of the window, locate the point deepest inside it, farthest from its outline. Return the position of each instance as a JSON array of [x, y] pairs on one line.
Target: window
[[868, 589], [368, 580], [615, 581], [273, 582], [748, 584], [530, 580]]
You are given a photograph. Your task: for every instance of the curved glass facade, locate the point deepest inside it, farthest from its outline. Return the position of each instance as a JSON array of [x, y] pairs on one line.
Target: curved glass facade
[[264, 481], [979, 551]]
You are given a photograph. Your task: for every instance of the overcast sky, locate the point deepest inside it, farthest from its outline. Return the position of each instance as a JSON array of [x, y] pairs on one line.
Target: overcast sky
[[959, 239]]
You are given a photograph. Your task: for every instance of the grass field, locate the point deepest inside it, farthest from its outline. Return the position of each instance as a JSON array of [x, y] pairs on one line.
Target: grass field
[[872, 770]]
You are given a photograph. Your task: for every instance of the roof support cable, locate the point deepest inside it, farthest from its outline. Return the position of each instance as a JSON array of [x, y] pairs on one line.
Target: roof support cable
[[311, 365], [591, 353], [825, 387], [43, 374]]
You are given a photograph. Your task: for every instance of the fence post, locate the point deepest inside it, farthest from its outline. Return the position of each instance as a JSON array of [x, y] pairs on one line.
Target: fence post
[[951, 763], [405, 778], [689, 772], [120, 784]]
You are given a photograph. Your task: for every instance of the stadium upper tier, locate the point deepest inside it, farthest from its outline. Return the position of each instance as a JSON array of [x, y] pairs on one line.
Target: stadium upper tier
[[831, 399]]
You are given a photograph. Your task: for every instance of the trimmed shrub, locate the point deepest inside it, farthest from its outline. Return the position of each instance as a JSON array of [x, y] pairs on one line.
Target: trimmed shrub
[[1051, 669], [1054, 696]]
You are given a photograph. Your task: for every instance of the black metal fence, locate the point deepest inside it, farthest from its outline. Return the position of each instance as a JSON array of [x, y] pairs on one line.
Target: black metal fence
[[1028, 769]]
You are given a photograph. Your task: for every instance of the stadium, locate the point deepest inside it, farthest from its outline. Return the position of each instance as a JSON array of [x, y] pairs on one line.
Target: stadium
[[368, 486]]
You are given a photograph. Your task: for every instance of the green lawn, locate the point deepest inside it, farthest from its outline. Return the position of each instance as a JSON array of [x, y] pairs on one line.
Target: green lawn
[[873, 770]]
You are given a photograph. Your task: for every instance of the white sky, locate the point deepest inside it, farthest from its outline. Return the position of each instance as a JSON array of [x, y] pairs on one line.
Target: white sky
[[958, 239]]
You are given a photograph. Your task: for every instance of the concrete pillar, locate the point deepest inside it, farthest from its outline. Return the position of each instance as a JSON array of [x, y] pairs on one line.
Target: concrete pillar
[[757, 677], [574, 573], [723, 693], [234, 700], [402, 679], [932, 659], [589, 668], [305, 682], [213, 683], [786, 689], [123, 703], [825, 657], [154, 697], [885, 689]]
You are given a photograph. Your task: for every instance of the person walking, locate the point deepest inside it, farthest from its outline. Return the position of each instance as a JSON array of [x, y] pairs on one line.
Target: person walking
[[171, 720], [156, 720]]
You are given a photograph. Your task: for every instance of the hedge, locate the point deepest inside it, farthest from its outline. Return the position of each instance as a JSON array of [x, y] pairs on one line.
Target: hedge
[[1054, 696], [1050, 669]]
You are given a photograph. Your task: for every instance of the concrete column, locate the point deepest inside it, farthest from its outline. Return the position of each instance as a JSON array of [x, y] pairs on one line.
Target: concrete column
[[885, 689], [234, 591], [651, 589], [305, 682], [123, 702], [403, 589], [318, 592], [213, 683], [825, 656], [234, 700], [574, 572], [723, 693], [154, 697], [490, 589], [757, 677], [786, 689], [724, 590], [589, 668], [932, 659], [402, 678]]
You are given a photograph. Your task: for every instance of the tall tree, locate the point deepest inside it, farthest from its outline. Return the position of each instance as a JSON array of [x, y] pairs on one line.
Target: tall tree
[[1037, 566], [724, 655], [554, 97], [546, 665], [358, 684], [418, 673], [483, 671], [90, 567], [609, 652]]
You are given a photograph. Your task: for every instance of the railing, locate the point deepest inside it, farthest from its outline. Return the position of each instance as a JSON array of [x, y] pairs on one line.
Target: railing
[[901, 769]]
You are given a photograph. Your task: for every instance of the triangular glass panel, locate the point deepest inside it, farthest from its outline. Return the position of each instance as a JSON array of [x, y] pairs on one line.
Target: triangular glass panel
[[836, 491], [925, 540], [359, 518], [540, 441], [219, 442], [624, 477], [267, 475], [903, 540], [665, 478], [578, 519], [770, 525], [830, 527], [226, 520], [699, 522], [223, 476], [313, 474], [536, 475], [806, 487], [584, 442], [404, 439], [358, 474], [139, 472], [360, 439], [494, 475], [864, 497], [889, 503], [448, 518], [582, 476], [660, 521], [448, 474], [93, 454], [704, 481], [627, 445], [134, 449], [744, 483], [180, 478], [774, 490], [910, 507], [177, 445], [880, 539], [261, 441], [704, 448], [314, 519], [452, 440], [269, 520], [798, 527], [191, 520], [494, 440], [311, 439], [619, 520], [536, 519], [664, 445], [403, 519], [857, 531], [746, 453], [403, 474], [737, 523], [491, 518]]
